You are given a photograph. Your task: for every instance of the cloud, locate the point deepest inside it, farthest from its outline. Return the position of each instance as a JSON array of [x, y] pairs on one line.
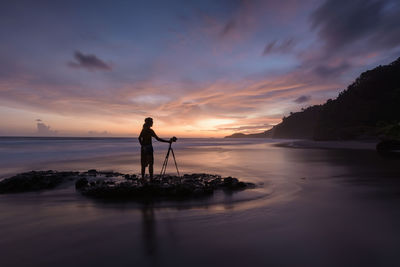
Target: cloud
[[342, 23], [302, 99], [279, 47], [351, 36], [43, 129], [229, 27], [89, 62], [251, 103], [326, 70], [247, 128]]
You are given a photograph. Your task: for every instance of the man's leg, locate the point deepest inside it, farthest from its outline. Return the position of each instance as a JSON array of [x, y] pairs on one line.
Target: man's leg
[[151, 162], [143, 171], [151, 171], [143, 162]]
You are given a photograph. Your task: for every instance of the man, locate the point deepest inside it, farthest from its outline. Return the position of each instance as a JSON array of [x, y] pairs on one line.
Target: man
[[147, 157]]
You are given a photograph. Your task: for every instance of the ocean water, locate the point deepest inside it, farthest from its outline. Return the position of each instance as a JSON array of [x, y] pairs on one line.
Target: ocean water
[[311, 207]]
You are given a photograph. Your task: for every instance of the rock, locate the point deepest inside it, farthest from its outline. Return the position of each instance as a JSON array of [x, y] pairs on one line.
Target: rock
[[241, 185], [130, 177], [33, 181], [230, 182], [108, 173], [216, 182], [81, 183], [92, 172], [388, 146]]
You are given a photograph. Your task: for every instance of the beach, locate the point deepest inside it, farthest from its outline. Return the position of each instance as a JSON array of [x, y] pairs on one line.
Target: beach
[[311, 207]]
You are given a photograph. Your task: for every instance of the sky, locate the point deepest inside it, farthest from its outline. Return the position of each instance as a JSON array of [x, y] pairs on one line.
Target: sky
[[198, 68]]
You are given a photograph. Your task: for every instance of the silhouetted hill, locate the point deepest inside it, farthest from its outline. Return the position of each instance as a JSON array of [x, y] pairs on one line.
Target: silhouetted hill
[[368, 108], [241, 135]]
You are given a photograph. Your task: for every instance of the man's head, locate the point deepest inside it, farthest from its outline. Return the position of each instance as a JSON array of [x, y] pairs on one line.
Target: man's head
[[148, 122]]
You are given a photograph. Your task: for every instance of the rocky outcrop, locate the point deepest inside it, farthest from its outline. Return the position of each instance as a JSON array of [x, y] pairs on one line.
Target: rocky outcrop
[[388, 146], [187, 186], [117, 185], [34, 181]]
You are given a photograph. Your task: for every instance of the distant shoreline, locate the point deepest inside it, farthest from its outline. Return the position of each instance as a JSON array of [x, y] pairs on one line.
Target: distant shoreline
[[359, 145]]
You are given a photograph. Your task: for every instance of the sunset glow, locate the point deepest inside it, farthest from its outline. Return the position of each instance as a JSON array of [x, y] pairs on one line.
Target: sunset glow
[[200, 69]]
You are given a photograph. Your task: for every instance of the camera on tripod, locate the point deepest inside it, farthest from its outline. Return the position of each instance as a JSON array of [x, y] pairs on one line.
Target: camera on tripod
[[164, 166]]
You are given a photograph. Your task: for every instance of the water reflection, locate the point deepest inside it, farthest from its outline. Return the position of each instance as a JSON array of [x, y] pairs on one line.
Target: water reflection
[[149, 229]]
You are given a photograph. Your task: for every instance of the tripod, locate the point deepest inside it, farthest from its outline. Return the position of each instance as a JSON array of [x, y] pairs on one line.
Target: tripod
[[164, 166]]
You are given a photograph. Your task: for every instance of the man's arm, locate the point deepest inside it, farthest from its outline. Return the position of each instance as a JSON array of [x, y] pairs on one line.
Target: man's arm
[[158, 138]]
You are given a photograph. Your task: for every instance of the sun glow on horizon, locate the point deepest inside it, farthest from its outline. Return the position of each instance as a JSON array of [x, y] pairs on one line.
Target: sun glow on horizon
[[212, 124]]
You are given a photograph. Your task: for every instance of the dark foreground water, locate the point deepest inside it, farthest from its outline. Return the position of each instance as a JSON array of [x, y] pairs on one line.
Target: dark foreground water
[[313, 207]]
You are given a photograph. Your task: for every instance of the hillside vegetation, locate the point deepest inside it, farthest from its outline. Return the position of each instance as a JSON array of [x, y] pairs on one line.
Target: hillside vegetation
[[368, 108]]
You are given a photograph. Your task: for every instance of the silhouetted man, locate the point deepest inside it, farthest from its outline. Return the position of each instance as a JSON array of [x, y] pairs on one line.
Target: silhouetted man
[[147, 157]]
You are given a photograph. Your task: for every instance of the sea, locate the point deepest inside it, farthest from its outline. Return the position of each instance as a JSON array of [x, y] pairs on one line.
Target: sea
[[313, 205]]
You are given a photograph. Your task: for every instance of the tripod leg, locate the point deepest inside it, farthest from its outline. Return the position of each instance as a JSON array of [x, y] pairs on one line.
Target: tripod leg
[[164, 166], [176, 165]]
